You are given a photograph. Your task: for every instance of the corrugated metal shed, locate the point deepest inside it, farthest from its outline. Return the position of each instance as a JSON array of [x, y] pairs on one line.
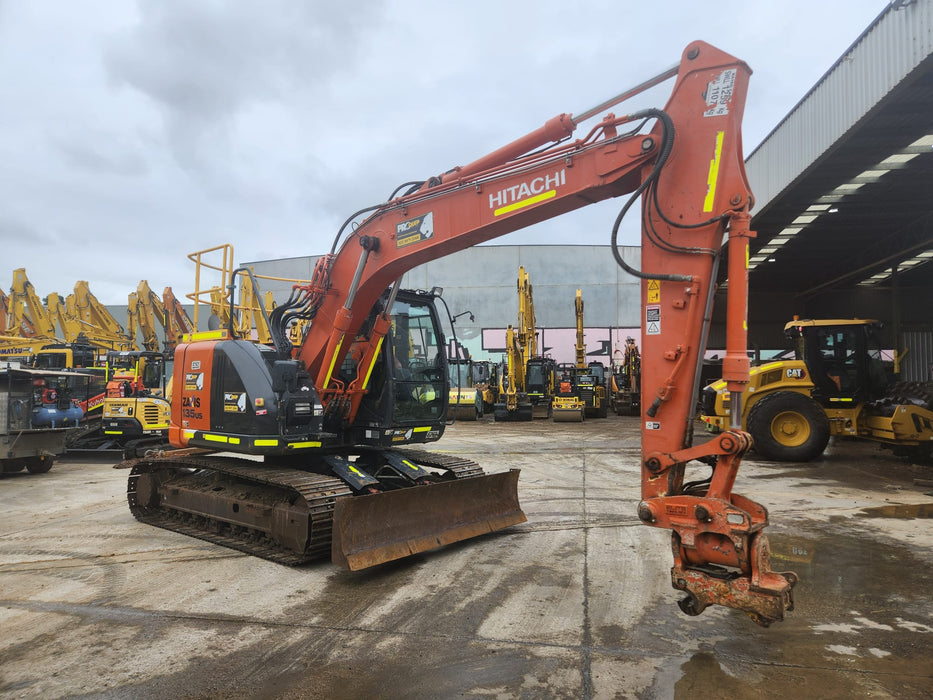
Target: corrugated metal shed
[[898, 41]]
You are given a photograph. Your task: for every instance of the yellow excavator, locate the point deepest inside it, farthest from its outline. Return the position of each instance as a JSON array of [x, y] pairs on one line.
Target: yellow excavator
[[836, 386], [136, 411], [142, 310], [4, 305], [527, 384], [539, 369], [145, 308], [99, 325], [26, 316], [567, 406], [587, 396], [626, 381], [512, 403]]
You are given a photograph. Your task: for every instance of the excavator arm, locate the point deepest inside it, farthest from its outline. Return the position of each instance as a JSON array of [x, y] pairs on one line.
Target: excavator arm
[[98, 323], [4, 305], [527, 335], [144, 308], [579, 348], [27, 317], [177, 322]]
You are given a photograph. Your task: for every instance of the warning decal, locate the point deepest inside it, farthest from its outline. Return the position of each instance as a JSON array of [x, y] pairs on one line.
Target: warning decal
[[654, 292], [653, 319]]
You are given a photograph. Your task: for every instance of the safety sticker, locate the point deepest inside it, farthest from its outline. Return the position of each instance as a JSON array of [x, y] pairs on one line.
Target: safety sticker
[[194, 381], [654, 292], [653, 319], [234, 402], [652, 425], [416, 230], [719, 94]]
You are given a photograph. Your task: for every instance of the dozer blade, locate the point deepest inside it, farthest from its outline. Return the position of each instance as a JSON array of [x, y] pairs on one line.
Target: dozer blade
[[374, 529]]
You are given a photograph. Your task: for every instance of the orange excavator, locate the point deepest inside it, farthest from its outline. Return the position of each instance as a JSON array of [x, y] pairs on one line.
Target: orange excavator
[[333, 418]]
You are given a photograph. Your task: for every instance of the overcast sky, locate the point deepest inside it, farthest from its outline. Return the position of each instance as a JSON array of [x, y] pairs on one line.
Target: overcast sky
[[134, 133]]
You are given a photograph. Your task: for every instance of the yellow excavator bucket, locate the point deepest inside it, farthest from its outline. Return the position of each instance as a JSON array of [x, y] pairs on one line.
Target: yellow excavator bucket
[[374, 529]]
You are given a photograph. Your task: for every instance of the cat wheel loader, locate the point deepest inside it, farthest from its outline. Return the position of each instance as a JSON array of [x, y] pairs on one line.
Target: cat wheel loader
[[331, 433], [836, 386]]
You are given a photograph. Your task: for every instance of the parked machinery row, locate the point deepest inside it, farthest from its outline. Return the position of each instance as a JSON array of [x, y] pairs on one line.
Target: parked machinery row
[[121, 390]]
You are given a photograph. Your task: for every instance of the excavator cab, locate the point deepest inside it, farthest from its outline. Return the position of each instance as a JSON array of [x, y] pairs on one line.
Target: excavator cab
[[57, 356], [539, 385], [408, 389]]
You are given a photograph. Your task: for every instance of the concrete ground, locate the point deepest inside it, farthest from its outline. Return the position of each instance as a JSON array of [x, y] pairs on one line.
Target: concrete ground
[[576, 603]]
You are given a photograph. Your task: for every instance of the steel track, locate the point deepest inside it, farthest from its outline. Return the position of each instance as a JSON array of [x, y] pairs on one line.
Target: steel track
[[317, 491]]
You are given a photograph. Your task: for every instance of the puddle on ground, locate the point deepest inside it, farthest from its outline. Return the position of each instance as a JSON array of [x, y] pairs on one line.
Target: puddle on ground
[[905, 512]]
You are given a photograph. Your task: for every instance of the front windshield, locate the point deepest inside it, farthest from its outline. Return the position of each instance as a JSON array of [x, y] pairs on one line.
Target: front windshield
[[535, 376], [418, 357], [459, 373]]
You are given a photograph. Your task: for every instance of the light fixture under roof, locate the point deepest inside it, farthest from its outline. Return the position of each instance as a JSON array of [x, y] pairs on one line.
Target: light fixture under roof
[[826, 204], [918, 259]]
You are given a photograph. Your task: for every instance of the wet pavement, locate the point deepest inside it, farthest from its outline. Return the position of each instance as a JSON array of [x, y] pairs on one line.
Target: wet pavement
[[575, 603]]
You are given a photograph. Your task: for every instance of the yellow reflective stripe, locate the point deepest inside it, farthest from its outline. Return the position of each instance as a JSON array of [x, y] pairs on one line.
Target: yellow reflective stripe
[[550, 194], [333, 361], [113, 432], [188, 434], [204, 335], [234, 441], [422, 429], [303, 445], [408, 464], [373, 363], [713, 173], [215, 438], [265, 443]]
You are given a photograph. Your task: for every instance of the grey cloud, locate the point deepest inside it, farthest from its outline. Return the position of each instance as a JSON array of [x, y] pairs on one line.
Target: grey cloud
[[203, 62], [98, 156], [15, 230]]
